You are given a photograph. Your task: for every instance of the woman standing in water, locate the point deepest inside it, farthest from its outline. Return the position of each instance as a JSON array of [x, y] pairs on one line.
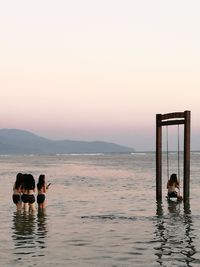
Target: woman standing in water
[[17, 191], [28, 196], [42, 189]]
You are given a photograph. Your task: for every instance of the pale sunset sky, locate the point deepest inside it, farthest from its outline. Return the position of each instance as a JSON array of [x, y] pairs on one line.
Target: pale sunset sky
[[99, 70]]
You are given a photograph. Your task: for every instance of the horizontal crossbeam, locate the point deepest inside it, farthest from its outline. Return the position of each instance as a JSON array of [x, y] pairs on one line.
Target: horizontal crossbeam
[[173, 115], [171, 122]]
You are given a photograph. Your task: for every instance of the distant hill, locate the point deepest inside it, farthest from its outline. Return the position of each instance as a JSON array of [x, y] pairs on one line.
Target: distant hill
[[14, 141]]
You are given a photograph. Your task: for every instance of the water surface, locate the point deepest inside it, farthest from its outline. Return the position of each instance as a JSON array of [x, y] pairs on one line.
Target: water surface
[[101, 212]]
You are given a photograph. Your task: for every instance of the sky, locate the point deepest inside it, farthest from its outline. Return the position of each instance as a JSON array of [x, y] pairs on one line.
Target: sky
[[99, 70]]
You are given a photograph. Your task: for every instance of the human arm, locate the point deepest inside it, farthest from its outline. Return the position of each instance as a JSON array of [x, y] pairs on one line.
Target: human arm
[[177, 185], [48, 185], [167, 184]]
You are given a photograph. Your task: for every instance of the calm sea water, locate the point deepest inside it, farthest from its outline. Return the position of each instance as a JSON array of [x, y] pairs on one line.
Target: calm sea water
[[101, 212]]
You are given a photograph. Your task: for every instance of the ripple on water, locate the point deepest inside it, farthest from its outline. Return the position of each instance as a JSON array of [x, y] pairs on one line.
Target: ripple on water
[[98, 214]]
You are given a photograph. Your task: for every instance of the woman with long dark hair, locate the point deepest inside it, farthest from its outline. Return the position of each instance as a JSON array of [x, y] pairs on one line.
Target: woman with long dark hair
[[173, 187], [42, 189], [17, 191], [28, 196]]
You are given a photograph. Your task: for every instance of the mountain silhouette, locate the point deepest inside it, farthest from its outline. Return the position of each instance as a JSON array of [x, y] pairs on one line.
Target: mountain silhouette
[[15, 141]]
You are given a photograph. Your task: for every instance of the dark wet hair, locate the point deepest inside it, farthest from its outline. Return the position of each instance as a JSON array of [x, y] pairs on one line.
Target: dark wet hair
[[173, 179], [41, 181], [19, 180], [29, 182]]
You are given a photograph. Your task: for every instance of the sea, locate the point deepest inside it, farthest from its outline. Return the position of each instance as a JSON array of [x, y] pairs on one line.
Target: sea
[[101, 211]]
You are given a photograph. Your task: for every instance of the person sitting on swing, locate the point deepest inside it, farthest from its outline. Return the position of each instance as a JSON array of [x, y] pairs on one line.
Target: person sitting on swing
[[173, 186]]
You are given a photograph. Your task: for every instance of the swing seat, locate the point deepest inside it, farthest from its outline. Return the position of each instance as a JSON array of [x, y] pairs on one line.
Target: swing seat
[[172, 199]]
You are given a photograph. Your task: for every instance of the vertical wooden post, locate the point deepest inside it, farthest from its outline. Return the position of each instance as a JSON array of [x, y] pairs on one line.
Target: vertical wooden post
[[186, 184], [158, 158]]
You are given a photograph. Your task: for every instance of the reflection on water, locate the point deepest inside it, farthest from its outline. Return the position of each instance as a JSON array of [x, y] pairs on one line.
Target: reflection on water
[[41, 229], [174, 235], [29, 232], [98, 215]]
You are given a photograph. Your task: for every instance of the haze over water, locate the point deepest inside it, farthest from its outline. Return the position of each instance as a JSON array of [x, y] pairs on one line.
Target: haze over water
[[101, 212]]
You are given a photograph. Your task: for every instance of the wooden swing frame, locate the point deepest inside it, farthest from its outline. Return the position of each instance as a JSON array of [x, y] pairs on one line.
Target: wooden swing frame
[[175, 118]]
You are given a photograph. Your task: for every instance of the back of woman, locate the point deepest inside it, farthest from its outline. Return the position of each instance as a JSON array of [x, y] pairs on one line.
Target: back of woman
[[28, 196], [17, 190], [173, 186], [42, 189]]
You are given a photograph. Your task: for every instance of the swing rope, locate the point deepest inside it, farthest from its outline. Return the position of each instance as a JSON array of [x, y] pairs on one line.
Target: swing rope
[[167, 153], [179, 158], [177, 153]]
